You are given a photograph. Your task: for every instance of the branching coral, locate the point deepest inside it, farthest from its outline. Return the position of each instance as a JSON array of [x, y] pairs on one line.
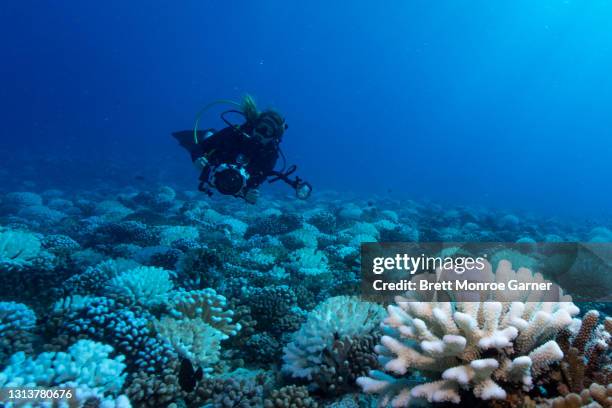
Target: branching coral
[[587, 355], [170, 234], [94, 279], [335, 318], [596, 396], [274, 225], [347, 359], [193, 339], [269, 304], [236, 389], [290, 396], [484, 348], [206, 305], [87, 366], [145, 285], [102, 319], [308, 261], [17, 322], [154, 390]]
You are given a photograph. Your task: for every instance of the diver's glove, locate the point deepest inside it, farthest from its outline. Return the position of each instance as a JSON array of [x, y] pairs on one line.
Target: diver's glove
[[200, 163], [251, 196]]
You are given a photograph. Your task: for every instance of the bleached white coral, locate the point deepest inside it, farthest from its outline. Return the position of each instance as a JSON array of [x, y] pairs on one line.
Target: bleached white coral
[[204, 304], [259, 259], [172, 233], [86, 363], [308, 261], [112, 210], [476, 346], [357, 240], [350, 212], [235, 226], [385, 225], [307, 235], [145, 285], [18, 249], [40, 215], [336, 317], [193, 339], [362, 228]]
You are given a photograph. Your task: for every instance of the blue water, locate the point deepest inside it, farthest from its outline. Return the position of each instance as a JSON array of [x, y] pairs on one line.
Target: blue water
[[500, 103]]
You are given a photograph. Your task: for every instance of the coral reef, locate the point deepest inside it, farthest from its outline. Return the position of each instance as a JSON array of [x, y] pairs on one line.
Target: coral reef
[[156, 297]]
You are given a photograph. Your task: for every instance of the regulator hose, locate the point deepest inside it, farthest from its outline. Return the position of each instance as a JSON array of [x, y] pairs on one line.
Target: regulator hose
[[207, 107]]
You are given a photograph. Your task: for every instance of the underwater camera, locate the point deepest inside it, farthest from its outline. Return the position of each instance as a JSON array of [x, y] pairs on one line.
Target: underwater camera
[[229, 179]]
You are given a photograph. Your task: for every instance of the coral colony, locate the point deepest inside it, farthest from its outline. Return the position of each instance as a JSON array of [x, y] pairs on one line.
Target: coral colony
[[164, 299]]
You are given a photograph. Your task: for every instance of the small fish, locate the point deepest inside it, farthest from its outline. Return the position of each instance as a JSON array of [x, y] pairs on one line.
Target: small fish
[[139, 178], [188, 377]]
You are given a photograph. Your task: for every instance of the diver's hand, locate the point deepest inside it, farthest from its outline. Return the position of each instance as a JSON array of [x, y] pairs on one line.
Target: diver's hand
[[200, 163], [251, 196]]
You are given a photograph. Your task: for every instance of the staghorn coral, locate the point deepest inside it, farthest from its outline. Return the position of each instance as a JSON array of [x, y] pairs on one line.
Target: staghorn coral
[[334, 318], [485, 348]]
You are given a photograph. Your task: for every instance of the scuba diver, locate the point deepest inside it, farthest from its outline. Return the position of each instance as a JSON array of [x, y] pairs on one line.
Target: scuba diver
[[237, 159]]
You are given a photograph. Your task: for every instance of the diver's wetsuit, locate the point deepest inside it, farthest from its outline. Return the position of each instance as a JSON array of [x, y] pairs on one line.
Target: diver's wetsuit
[[226, 145]]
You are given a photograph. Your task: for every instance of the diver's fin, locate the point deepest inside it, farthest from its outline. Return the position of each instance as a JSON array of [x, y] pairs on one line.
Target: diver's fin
[[185, 139]]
